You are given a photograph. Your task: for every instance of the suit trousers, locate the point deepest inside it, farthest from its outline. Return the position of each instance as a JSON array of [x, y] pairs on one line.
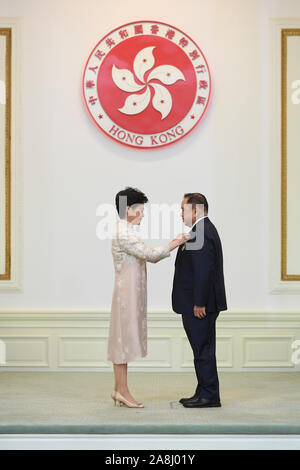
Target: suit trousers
[[201, 333]]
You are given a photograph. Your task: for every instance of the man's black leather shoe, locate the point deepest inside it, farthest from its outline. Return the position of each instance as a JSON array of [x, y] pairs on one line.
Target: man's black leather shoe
[[191, 399], [201, 403]]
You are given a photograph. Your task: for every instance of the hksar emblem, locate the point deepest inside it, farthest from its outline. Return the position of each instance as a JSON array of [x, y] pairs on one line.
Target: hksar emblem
[[146, 84]]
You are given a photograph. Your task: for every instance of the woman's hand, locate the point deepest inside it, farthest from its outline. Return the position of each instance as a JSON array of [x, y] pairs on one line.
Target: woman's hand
[[178, 240]]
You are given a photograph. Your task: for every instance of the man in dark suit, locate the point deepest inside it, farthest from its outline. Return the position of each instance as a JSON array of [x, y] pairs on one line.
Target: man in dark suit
[[199, 295]]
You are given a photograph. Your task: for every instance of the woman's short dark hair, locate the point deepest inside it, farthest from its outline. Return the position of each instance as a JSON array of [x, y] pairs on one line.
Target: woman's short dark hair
[[128, 197], [196, 198]]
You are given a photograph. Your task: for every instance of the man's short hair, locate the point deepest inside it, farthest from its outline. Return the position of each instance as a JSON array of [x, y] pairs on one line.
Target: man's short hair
[[133, 195], [196, 198]]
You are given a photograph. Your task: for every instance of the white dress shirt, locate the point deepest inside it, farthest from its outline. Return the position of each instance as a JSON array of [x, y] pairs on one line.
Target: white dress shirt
[[198, 221]]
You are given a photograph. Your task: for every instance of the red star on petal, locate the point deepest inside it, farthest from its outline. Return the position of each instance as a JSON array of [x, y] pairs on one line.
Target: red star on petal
[[192, 116], [100, 116]]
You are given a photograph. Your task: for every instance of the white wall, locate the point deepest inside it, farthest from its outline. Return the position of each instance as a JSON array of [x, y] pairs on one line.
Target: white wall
[[70, 167]]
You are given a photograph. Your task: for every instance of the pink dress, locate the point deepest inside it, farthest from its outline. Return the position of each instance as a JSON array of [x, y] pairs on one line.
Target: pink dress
[[127, 339]]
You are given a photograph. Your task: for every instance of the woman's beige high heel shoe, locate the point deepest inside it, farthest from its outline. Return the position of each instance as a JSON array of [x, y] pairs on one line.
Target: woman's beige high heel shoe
[[120, 400], [113, 397]]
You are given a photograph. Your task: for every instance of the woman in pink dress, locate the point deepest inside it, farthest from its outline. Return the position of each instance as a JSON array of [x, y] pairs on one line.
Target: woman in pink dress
[[127, 339]]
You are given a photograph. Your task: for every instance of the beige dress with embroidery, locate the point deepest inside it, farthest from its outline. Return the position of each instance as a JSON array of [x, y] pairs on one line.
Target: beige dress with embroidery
[[127, 339]]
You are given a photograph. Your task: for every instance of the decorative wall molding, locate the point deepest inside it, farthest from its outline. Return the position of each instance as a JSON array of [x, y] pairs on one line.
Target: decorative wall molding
[[77, 340], [11, 278], [269, 350], [27, 350], [280, 281]]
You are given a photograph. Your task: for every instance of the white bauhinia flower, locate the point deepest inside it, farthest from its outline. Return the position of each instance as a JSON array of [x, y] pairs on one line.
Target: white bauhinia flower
[[168, 74], [135, 104], [162, 99], [124, 80], [143, 62]]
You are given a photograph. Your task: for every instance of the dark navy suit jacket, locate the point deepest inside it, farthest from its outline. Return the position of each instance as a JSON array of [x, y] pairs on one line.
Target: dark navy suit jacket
[[198, 277]]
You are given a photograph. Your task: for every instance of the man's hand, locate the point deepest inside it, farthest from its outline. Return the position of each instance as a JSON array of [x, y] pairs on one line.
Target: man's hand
[[199, 311]]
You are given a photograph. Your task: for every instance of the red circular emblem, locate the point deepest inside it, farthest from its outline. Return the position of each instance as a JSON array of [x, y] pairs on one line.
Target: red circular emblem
[[146, 84]]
